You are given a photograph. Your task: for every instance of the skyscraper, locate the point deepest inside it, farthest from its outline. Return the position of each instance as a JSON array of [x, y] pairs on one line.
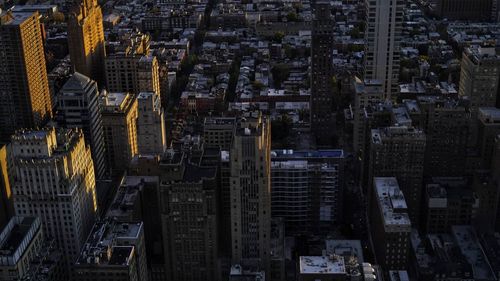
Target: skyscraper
[[6, 207], [251, 191], [114, 249], [446, 128], [189, 220], [367, 93], [25, 96], [479, 83], [86, 40], [390, 224], [322, 93], [307, 190], [384, 23], [119, 120], [399, 152], [53, 178], [151, 134], [79, 107], [131, 67], [488, 130]]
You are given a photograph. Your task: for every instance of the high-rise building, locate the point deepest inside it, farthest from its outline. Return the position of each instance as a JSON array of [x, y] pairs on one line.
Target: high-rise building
[[53, 178], [24, 87], [307, 190], [448, 202], [188, 209], [390, 224], [367, 93], [119, 120], [132, 72], [322, 112], [251, 191], [151, 134], [384, 24], [399, 152], [470, 10], [487, 196], [114, 251], [78, 106], [148, 74], [131, 67], [86, 40], [26, 254], [219, 131], [188, 203], [6, 204], [446, 124], [488, 130], [479, 82], [20, 241], [137, 199]]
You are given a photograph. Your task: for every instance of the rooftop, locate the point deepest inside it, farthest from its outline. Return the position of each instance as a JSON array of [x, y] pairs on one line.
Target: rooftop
[[128, 194], [115, 99], [105, 238], [478, 53], [467, 241], [489, 114], [16, 237], [290, 153], [221, 121], [121, 255], [392, 203], [398, 275], [345, 248], [13, 17], [77, 81], [388, 133], [322, 265]]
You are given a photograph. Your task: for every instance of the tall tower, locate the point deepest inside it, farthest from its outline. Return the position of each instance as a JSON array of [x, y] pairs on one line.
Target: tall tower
[[251, 191], [119, 120], [390, 224], [479, 83], [25, 96], [384, 20], [322, 100], [53, 178], [399, 152], [79, 107], [151, 133], [86, 40]]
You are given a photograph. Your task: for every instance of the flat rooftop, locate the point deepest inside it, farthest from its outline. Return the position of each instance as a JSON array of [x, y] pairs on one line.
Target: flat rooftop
[[289, 164], [15, 234], [322, 265], [221, 121], [290, 153], [398, 275], [16, 237], [115, 99], [391, 202], [489, 114], [121, 255], [103, 239], [345, 248], [145, 95], [14, 17], [467, 241]]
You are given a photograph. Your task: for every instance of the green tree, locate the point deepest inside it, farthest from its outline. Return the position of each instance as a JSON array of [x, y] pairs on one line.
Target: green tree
[[292, 16], [278, 37], [280, 73]]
